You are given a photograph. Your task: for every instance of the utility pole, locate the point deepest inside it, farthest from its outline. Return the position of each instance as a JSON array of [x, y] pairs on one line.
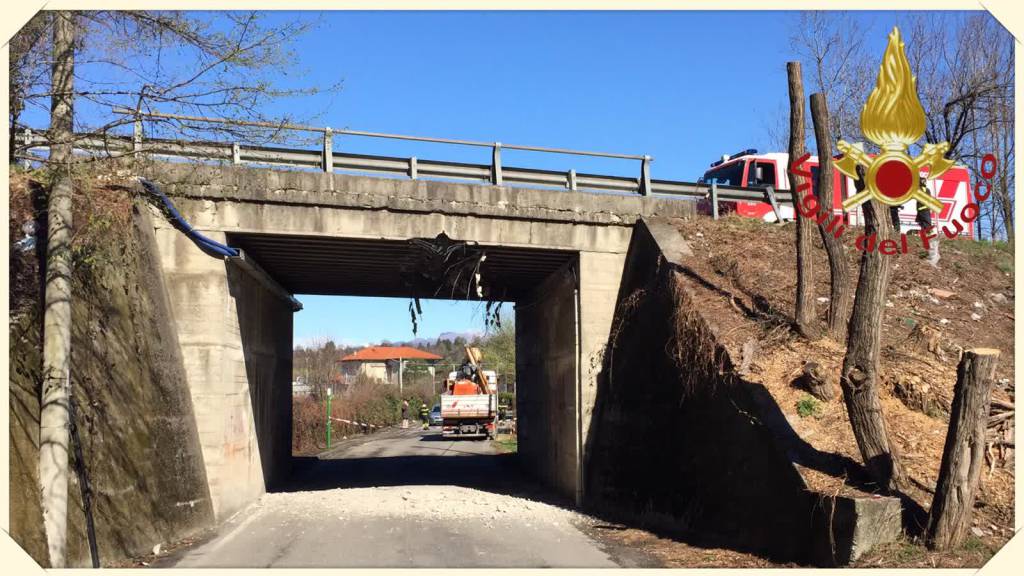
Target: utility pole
[[329, 418], [53, 414]]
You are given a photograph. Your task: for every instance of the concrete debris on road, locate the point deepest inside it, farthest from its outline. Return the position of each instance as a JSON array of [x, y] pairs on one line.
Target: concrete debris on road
[[435, 502]]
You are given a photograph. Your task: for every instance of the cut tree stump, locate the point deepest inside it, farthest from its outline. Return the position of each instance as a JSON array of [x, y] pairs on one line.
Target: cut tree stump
[[921, 396], [814, 379], [964, 453]]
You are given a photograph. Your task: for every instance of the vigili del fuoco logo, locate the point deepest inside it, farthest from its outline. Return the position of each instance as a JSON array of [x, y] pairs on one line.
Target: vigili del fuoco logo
[[893, 119]]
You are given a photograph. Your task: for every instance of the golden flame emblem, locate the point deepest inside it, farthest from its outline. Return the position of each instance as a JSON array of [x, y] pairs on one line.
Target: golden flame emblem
[[894, 119]]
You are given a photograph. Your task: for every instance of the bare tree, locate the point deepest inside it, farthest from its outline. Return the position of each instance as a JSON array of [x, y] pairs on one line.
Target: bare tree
[[894, 90], [859, 377], [227, 64], [954, 78], [499, 350], [805, 314], [1001, 143], [29, 59], [317, 364], [54, 404], [839, 268], [832, 44], [967, 93]]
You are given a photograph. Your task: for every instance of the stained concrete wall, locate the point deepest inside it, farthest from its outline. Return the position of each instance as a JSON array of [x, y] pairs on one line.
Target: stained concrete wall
[[547, 377], [236, 341], [133, 411], [600, 278]]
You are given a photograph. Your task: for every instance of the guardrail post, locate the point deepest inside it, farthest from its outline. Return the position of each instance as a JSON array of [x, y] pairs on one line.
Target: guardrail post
[[328, 160], [572, 180], [714, 199], [645, 175], [137, 135], [770, 193], [496, 164], [412, 167], [236, 153]]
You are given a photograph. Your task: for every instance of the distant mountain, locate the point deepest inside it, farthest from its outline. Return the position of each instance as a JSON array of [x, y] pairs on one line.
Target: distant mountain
[[422, 342], [451, 336]]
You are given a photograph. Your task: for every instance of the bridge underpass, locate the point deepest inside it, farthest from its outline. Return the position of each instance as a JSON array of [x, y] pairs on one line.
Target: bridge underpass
[[338, 266], [541, 284], [557, 255]]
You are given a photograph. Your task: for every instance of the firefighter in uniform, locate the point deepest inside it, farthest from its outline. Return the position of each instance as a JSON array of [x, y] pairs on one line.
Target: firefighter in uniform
[[424, 412], [924, 214]]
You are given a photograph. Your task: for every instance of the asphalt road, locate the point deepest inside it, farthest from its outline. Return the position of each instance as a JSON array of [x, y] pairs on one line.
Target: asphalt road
[[404, 499]]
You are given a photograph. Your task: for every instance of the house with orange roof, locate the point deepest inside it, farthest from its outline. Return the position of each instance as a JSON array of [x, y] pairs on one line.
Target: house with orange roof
[[386, 363]]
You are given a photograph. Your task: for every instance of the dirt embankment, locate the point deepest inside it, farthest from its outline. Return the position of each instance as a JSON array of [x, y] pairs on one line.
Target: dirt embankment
[[134, 412], [743, 276]]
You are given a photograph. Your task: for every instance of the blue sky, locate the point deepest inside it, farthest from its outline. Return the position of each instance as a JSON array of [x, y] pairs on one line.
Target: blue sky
[[358, 321], [684, 87]]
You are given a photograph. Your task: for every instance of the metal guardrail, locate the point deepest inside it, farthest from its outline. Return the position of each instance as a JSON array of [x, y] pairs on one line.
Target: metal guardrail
[[412, 167]]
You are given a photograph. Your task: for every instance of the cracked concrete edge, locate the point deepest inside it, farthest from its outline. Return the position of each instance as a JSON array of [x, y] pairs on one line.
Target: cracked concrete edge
[[268, 186]]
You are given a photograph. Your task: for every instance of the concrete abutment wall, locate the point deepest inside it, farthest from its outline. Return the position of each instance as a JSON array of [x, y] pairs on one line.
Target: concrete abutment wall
[[134, 415], [561, 332], [677, 440], [236, 340], [682, 442], [547, 380]]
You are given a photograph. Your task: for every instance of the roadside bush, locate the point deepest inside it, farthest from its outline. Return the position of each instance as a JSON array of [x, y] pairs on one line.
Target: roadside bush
[[309, 430], [365, 401], [507, 399]]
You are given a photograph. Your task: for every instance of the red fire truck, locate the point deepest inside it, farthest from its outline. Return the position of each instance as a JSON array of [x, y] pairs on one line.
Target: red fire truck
[[750, 169]]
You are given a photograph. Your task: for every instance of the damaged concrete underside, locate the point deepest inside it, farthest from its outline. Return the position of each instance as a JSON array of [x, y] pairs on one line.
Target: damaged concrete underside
[[359, 267]]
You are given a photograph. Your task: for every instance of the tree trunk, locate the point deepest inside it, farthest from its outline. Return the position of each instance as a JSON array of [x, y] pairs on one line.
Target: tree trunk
[[53, 416], [964, 454], [859, 378], [841, 292], [805, 315], [1006, 126]]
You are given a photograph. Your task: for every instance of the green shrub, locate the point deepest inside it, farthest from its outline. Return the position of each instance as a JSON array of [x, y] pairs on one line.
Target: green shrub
[[808, 406]]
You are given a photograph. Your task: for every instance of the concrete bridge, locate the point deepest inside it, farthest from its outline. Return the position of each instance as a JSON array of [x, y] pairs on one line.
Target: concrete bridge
[[558, 255]]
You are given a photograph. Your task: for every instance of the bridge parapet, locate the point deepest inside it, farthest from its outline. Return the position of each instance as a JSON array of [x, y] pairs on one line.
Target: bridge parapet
[[303, 188]]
